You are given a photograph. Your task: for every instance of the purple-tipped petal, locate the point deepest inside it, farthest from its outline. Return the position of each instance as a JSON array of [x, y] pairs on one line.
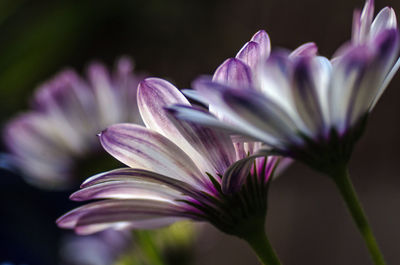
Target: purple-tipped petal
[[307, 49], [261, 37], [139, 147], [100, 215], [215, 145], [233, 72]]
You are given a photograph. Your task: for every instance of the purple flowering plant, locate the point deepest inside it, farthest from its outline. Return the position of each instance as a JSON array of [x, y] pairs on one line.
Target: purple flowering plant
[[305, 106]]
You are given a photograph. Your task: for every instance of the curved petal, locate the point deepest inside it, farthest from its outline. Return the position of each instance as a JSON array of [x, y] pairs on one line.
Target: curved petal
[[154, 95], [210, 143], [272, 123], [386, 19], [104, 214], [251, 54], [233, 72], [127, 189], [261, 37], [307, 49], [139, 147]]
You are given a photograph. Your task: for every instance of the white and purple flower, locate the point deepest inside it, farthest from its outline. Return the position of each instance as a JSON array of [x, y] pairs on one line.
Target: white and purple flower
[[177, 170], [300, 104], [49, 142]]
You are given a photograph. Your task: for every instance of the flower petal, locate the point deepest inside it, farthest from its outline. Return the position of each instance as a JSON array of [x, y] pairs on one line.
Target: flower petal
[[97, 216], [139, 147], [233, 72], [307, 49], [213, 144], [154, 95], [251, 54], [272, 123], [261, 37], [128, 189], [386, 19]]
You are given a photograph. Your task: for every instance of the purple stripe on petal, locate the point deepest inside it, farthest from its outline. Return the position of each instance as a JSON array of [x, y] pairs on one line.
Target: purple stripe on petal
[[305, 94]]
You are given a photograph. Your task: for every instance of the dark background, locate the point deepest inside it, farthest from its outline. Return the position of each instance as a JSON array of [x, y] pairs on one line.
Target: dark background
[[179, 40]]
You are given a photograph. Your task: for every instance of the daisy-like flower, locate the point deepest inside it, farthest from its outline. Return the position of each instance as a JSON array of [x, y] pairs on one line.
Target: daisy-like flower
[[177, 170], [306, 106], [54, 141], [302, 105]]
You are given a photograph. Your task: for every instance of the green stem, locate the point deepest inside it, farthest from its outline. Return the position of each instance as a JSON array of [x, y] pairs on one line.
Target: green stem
[[349, 195], [262, 247]]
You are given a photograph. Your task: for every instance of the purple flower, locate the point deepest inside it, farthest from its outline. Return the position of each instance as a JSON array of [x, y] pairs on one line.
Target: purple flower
[[302, 105], [49, 142], [99, 249], [177, 170]]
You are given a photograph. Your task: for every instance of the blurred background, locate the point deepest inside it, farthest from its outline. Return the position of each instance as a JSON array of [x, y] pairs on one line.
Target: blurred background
[[179, 40]]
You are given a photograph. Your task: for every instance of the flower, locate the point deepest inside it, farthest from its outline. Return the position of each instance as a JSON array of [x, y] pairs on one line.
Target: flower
[[99, 249], [302, 105], [51, 142], [177, 170]]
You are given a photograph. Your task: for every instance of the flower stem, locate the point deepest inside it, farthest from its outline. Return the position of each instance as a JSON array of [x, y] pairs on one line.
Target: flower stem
[[262, 247], [349, 195]]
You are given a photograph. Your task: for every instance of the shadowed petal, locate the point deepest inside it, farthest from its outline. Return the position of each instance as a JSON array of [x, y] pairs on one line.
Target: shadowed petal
[[142, 148], [273, 124]]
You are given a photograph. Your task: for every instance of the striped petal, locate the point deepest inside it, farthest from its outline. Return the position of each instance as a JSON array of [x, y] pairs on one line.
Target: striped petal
[[139, 147], [306, 96], [262, 39], [213, 144], [154, 95], [127, 189], [233, 72], [272, 123], [142, 214], [251, 54]]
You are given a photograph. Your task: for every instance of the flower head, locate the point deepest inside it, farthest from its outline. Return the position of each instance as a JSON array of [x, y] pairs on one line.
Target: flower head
[[300, 104], [177, 170], [49, 142]]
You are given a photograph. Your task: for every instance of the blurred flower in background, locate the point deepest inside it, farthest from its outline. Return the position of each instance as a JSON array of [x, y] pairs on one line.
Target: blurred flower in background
[[167, 246], [55, 143]]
